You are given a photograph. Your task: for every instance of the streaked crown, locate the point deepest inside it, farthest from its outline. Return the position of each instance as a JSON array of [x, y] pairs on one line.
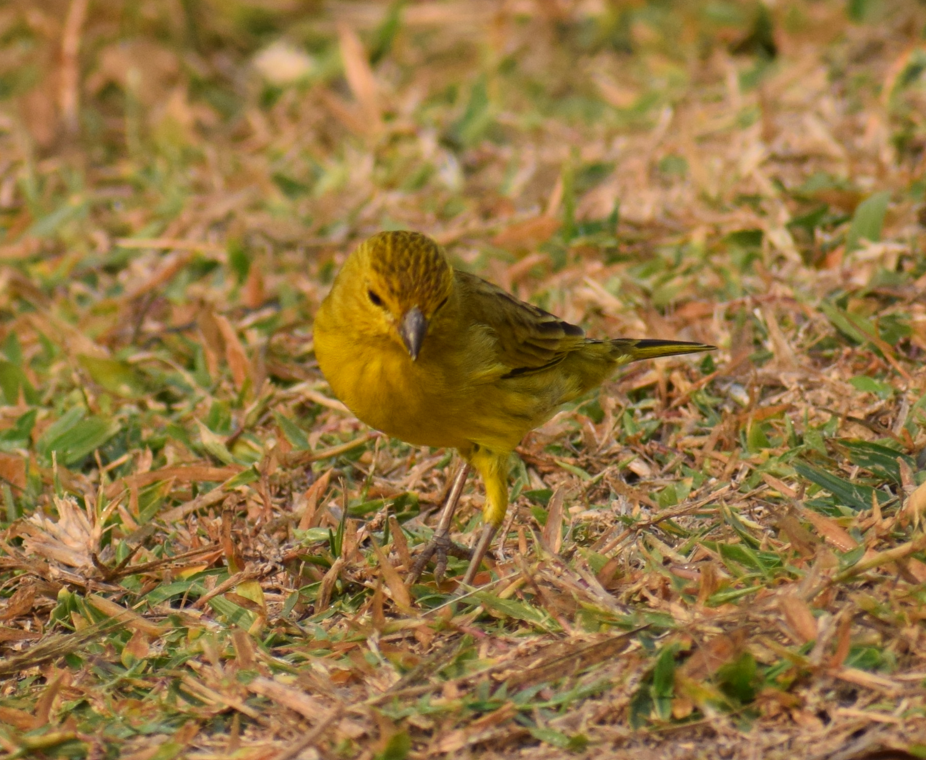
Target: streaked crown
[[409, 268]]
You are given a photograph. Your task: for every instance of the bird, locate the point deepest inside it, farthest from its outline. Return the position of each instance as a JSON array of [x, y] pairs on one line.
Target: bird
[[439, 357]]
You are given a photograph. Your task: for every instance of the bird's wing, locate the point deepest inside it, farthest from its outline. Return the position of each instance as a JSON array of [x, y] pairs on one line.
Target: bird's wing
[[526, 338]]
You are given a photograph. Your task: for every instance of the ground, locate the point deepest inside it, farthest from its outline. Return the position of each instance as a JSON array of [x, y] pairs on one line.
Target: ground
[[204, 554]]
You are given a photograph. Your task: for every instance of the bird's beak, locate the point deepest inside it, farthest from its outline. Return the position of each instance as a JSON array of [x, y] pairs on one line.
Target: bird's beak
[[413, 329]]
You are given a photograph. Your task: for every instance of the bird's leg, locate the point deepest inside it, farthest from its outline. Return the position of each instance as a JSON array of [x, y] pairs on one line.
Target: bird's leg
[[493, 467], [479, 551], [440, 544]]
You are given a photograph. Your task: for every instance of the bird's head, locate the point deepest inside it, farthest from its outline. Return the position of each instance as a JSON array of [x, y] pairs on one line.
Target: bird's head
[[406, 280]]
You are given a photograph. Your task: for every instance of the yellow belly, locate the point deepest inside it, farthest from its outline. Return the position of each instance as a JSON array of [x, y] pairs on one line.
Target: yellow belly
[[425, 403]]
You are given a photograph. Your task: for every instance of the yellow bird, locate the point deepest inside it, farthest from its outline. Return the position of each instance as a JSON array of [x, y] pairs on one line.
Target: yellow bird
[[439, 357]]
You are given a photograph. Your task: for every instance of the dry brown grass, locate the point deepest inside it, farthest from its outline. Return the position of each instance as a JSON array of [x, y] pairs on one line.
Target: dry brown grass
[[203, 552]]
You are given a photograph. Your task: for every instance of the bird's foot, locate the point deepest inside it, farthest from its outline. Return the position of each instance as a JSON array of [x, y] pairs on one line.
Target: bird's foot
[[439, 548]]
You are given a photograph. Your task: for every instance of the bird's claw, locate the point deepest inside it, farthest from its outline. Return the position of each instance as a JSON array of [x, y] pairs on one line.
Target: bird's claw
[[439, 547]]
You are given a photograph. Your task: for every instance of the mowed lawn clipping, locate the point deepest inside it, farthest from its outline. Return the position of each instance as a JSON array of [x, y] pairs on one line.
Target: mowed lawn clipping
[[204, 554]]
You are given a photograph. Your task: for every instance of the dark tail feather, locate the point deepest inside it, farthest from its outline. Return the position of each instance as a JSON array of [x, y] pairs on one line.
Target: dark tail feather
[[642, 348]]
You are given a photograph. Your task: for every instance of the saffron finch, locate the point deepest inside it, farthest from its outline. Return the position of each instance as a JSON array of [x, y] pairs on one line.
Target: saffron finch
[[439, 357]]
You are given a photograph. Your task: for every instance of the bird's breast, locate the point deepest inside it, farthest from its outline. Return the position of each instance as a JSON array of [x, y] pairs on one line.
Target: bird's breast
[[449, 397], [388, 391]]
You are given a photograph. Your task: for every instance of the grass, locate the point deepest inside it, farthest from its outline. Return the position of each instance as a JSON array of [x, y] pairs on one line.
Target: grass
[[203, 553]]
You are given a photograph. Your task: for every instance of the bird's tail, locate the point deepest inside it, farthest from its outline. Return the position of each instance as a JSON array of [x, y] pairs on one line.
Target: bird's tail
[[636, 349]]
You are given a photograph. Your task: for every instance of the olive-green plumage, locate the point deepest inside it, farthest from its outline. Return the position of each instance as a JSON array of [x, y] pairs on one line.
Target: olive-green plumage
[[438, 357]]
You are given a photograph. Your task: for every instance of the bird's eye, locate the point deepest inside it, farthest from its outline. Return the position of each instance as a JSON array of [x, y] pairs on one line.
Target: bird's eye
[[441, 304], [374, 299]]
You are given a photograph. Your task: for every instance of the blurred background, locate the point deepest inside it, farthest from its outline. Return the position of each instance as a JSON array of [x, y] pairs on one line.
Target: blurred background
[[542, 129], [179, 181]]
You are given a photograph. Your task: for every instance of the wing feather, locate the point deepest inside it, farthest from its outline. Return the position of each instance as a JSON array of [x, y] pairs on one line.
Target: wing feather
[[526, 338]]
